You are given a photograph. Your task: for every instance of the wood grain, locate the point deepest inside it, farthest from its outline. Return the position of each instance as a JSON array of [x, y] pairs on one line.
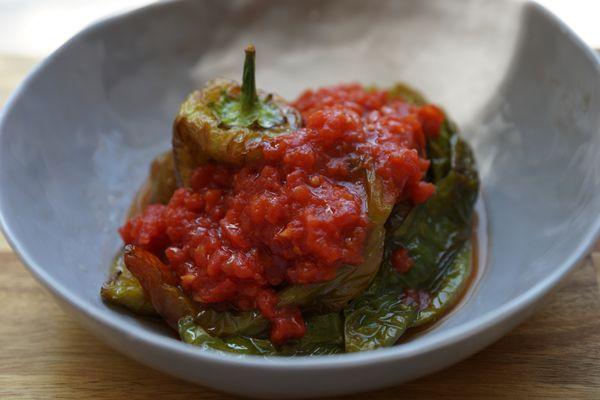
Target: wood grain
[[44, 354]]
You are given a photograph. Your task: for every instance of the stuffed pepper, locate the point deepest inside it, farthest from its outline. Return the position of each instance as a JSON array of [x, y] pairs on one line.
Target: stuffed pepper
[[330, 224]]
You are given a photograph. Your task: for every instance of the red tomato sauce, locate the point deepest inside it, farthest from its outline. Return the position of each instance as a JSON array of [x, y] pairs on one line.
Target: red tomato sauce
[[295, 217]]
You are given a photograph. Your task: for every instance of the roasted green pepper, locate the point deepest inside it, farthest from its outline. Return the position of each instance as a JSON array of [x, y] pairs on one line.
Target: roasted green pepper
[[448, 287], [225, 122], [192, 333], [365, 306], [324, 335], [158, 187], [172, 304], [351, 280], [123, 289], [434, 233]]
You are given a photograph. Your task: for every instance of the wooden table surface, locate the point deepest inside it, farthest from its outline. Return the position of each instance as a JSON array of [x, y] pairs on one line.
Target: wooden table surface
[[45, 354]]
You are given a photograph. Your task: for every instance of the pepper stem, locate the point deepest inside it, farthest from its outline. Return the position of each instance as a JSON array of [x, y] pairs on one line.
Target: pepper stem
[[249, 97]]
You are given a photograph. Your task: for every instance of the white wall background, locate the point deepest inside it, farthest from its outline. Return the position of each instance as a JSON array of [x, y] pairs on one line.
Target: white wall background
[[34, 28]]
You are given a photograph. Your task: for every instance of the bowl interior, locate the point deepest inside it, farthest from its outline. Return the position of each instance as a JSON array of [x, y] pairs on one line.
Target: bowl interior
[[77, 139]]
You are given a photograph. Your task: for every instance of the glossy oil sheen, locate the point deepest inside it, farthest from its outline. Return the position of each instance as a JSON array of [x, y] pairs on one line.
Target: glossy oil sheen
[[77, 138]]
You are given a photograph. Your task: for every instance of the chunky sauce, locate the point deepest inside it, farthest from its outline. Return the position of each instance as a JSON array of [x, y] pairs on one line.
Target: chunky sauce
[[296, 216]]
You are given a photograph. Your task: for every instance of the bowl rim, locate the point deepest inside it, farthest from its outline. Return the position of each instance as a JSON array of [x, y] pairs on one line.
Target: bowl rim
[[433, 342]]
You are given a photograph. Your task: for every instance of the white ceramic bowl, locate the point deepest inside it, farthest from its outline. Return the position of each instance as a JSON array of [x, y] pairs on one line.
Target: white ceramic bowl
[[76, 139]]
